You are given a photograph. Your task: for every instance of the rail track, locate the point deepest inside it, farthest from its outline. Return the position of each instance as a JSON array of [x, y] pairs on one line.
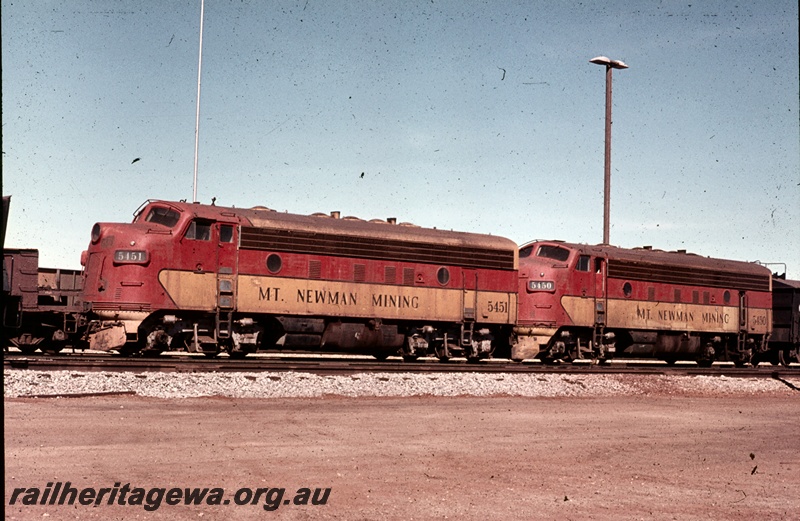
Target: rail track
[[350, 364]]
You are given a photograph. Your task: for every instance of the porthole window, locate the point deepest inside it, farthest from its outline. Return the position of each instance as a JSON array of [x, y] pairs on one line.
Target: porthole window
[[274, 263], [726, 296], [627, 289], [443, 275]]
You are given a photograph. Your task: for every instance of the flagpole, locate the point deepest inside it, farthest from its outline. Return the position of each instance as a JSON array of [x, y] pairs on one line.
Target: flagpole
[[197, 119]]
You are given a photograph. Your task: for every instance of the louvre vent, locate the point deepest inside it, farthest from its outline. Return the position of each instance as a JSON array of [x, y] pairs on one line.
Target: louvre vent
[[668, 274], [293, 241], [359, 272], [314, 269]]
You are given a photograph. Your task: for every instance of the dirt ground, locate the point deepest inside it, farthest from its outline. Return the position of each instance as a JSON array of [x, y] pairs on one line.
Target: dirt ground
[[646, 457]]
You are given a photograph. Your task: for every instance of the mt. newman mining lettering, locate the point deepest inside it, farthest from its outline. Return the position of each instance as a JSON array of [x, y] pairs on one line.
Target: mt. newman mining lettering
[[676, 315], [335, 298], [716, 318], [342, 298], [395, 301]]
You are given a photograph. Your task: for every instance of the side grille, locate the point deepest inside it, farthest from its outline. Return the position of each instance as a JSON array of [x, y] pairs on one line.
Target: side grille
[[374, 248], [687, 276], [359, 273], [314, 269]]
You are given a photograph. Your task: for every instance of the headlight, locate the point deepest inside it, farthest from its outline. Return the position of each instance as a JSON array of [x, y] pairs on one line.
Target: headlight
[[95, 233]]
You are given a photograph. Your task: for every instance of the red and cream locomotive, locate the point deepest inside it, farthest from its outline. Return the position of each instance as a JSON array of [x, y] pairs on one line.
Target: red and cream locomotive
[[579, 301], [205, 279], [208, 279]]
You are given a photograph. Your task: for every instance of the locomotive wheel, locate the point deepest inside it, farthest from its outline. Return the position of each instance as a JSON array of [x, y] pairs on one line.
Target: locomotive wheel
[[740, 363], [787, 356], [410, 358], [230, 348], [27, 343], [705, 362], [27, 350], [128, 350]]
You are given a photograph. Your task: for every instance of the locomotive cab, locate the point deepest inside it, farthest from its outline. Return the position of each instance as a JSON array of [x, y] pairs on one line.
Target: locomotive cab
[[129, 292], [548, 271]]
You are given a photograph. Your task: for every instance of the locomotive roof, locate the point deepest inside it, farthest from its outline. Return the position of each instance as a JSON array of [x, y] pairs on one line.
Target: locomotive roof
[[670, 267], [681, 258], [778, 282], [260, 217]]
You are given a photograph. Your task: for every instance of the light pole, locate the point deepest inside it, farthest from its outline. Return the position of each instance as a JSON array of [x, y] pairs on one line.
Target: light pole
[[197, 119], [610, 65]]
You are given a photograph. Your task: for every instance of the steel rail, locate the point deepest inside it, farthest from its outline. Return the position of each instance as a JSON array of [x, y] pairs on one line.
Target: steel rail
[[345, 365]]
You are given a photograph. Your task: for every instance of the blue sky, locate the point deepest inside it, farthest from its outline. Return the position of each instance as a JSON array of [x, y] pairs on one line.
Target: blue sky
[[465, 115]]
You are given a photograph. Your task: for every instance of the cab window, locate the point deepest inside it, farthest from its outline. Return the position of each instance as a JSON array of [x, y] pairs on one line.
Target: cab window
[[226, 233], [584, 261], [553, 252], [199, 231], [598, 265], [163, 216]]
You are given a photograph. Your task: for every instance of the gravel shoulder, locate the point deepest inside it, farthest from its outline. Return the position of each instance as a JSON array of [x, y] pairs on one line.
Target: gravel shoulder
[[627, 448], [19, 383]]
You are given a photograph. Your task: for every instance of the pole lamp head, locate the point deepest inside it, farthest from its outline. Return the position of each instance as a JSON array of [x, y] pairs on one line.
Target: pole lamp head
[[614, 64]]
